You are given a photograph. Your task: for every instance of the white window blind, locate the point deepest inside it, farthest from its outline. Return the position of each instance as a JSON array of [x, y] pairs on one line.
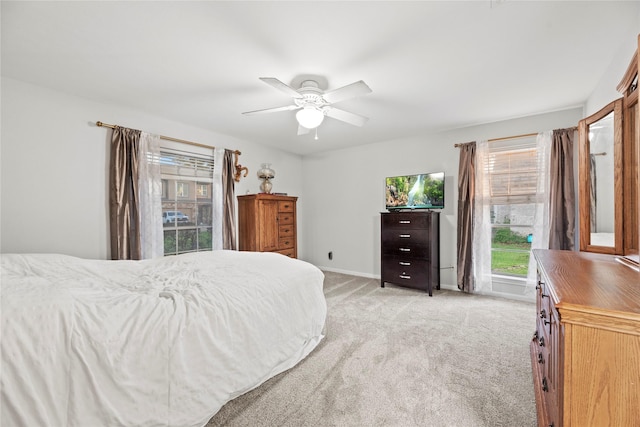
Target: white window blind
[[174, 163], [512, 170]]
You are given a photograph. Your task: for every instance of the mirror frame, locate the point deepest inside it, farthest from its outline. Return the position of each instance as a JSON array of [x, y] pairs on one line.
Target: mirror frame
[[636, 174], [628, 87], [584, 190]]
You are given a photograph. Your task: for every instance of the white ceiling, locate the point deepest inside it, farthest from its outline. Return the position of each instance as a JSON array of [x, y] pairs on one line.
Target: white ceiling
[[432, 65]]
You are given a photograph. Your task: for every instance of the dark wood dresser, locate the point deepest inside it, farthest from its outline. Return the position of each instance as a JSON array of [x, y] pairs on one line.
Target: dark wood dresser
[[267, 223], [410, 251], [585, 351]]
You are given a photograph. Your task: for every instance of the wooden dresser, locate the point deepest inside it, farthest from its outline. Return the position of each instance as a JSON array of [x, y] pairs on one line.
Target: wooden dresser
[[267, 223], [410, 249], [585, 351]]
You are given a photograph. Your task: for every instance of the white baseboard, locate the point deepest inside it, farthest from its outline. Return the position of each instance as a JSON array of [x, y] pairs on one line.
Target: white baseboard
[[377, 276], [352, 273], [445, 286]]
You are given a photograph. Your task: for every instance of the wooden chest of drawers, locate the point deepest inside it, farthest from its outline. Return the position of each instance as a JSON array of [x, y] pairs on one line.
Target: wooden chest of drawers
[[585, 351], [410, 249], [267, 223]]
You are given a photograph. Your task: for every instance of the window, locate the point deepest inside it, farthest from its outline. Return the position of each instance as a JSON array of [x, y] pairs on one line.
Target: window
[[165, 189], [182, 189], [202, 190], [512, 171], [187, 206]]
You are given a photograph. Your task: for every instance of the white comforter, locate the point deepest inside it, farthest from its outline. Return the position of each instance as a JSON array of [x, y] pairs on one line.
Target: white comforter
[[162, 342]]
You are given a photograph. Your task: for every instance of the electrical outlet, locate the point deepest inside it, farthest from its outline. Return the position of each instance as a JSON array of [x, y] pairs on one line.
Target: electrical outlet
[[331, 255]]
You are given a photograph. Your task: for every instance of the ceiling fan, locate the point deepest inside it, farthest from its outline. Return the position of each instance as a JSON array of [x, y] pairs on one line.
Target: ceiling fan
[[314, 104]]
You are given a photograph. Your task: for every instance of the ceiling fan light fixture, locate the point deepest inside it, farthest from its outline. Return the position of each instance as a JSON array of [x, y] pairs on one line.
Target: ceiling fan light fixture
[[310, 117]]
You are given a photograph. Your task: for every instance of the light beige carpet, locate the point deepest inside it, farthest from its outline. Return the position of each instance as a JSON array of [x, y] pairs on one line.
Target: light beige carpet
[[395, 357]]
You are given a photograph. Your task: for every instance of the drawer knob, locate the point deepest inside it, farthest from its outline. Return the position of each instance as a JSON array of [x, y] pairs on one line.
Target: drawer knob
[[545, 386], [541, 341], [540, 358]]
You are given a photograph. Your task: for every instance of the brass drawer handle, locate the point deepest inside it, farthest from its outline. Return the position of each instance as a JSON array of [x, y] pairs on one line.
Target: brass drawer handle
[[540, 358], [405, 236], [405, 249], [541, 341], [405, 277], [545, 386], [405, 222], [404, 263]]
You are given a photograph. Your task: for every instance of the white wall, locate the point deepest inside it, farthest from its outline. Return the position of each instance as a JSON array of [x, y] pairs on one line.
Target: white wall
[[605, 91], [54, 168], [54, 174], [345, 188], [345, 191]]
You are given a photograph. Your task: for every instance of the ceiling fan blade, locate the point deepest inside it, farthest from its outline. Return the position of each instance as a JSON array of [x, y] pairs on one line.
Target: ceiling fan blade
[[345, 92], [345, 116], [281, 86], [302, 130], [273, 110]]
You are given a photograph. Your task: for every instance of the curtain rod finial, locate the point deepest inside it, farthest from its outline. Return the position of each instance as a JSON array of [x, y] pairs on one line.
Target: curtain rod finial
[[239, 168]]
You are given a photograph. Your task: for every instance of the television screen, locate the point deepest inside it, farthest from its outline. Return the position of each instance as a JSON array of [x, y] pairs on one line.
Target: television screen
[[422, 191]]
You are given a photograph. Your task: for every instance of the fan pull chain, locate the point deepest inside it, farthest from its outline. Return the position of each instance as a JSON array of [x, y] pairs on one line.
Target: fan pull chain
[[316, 137]]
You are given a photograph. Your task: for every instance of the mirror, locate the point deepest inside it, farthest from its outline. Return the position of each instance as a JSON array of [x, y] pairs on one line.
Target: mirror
[[609, 173], [600, 137]]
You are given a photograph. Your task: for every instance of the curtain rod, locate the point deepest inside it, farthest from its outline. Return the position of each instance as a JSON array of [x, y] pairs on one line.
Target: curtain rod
[[504, 137], [513, 137], [167, 138], [239, 168]]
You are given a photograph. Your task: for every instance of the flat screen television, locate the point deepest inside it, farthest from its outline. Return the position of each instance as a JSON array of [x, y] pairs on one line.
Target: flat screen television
[[420, 191]]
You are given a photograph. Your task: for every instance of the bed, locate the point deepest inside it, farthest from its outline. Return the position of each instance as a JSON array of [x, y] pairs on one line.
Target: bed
[[163, 342]]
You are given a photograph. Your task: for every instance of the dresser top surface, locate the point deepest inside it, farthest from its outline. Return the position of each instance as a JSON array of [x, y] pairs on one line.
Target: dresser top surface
[[265, 196], [593, 281], [410, 212]]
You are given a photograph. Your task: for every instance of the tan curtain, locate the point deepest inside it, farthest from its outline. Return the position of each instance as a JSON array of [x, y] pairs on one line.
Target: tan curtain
[[123, 194], [561, 191], [466, 197], [229, 211]]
